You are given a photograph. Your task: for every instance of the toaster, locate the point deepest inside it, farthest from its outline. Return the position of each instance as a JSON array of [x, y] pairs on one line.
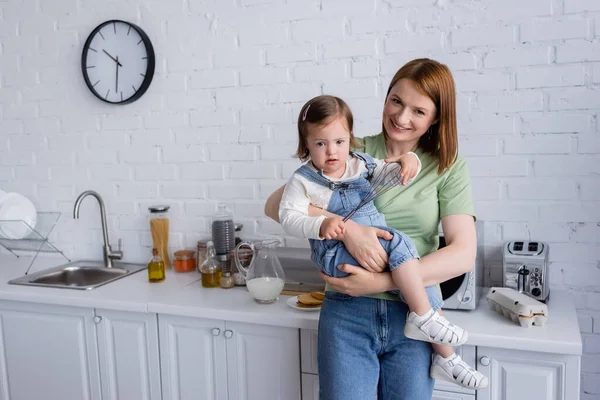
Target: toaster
[[525, 268]]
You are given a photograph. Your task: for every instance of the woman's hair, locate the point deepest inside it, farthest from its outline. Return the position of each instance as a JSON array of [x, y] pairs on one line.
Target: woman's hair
[[435, 81], [321, 111]]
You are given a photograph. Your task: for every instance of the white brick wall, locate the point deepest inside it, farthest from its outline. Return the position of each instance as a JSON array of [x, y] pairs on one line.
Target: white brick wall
[[217, 124]]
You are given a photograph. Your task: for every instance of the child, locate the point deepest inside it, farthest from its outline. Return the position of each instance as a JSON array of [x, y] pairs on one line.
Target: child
[[336, 179]]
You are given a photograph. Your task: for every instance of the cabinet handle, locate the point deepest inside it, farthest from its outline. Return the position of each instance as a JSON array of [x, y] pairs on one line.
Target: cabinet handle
[[97, 319], [216, 331], [228, 334], [484, 361]]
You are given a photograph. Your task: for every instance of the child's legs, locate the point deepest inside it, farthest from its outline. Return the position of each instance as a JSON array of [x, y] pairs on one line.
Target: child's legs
[[443, 349], [408, 279], [404, 264], [329, 254]]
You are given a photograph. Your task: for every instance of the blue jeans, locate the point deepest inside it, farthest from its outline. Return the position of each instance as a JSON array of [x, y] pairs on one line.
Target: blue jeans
[[363, 353]]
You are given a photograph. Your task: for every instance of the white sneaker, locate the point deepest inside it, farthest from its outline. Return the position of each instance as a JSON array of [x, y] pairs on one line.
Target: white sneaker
[[434, 328], [454, 370]]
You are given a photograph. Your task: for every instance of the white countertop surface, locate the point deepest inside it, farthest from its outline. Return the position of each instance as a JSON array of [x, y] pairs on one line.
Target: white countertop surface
[[182, 294]]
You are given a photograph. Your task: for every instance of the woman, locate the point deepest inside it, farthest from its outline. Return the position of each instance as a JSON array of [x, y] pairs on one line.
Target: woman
[[419, 115]]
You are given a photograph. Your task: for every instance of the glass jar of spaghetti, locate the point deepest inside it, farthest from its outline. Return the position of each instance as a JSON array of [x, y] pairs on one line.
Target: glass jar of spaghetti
[[184, 260], [159, 228]]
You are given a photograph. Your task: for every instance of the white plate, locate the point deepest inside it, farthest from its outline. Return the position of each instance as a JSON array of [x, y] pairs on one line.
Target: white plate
[[15, 207], [292, 303]]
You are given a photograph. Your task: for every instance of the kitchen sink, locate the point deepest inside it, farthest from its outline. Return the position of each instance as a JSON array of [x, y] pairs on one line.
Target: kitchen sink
[[82, 275]]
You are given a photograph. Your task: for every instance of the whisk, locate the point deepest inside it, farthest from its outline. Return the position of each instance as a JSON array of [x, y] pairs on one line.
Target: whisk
[[384, 178]]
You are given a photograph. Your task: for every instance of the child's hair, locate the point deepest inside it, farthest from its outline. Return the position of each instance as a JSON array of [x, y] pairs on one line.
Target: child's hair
[[322, 110]]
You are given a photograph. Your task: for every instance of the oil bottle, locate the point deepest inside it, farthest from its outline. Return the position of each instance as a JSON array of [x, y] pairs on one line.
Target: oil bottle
[[156, 268]]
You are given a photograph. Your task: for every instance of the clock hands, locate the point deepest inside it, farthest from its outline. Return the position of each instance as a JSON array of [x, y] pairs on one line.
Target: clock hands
[[117, 77], [114, 59]]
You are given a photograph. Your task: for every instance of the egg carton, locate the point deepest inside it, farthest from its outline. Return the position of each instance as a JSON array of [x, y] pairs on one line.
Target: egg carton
[[517, 307]]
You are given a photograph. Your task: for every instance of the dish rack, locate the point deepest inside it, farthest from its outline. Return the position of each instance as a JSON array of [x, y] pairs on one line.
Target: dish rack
[[37, 238]]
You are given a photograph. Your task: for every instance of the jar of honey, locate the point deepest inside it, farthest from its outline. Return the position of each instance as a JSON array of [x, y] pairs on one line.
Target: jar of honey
[[184, 260]]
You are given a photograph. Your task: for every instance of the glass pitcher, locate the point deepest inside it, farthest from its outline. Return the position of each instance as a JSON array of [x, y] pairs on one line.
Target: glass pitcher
[[264, 275]]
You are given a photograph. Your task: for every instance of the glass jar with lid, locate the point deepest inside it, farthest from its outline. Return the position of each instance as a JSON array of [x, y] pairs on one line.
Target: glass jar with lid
[[159, 228], [184, 260]]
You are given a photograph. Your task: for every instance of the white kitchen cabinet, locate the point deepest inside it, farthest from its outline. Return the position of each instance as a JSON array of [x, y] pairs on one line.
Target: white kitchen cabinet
[[263, 362], [48, 352], [193, 358], [213, 359], [128, 353], [523, 375]]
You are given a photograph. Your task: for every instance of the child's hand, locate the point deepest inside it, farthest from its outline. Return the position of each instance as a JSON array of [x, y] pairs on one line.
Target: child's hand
[[410, 167], [332, 227]]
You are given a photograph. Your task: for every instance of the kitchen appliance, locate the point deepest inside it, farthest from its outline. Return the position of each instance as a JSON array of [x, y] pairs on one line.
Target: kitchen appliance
[[525, 268], [464, 292]]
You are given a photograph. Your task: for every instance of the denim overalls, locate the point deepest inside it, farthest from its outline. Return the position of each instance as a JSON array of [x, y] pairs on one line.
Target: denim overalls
[[328, 254]]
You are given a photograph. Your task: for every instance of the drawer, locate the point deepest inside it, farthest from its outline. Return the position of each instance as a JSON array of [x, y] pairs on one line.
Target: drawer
[[310, 387], [439, 395], [308, 351]]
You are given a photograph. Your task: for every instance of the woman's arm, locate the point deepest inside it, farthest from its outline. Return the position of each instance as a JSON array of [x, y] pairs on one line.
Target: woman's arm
[[272, 204], [457, 257], [360, 282]]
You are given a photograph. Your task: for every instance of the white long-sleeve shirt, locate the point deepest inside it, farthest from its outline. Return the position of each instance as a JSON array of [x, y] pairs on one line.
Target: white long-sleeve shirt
[[300, 193]]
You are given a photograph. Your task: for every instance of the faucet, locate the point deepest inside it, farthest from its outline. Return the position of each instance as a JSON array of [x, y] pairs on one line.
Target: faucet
[[109, 254]]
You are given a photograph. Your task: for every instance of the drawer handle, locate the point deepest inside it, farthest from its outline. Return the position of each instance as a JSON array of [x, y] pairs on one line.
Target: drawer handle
[[228, 334], [97, 319], [216, 332], [484, 361]]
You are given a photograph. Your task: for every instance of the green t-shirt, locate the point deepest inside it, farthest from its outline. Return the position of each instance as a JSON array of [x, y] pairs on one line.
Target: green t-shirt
[[416, 209]]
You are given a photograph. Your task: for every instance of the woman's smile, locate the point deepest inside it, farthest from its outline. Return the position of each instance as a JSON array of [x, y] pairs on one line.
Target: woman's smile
[[399, 127]]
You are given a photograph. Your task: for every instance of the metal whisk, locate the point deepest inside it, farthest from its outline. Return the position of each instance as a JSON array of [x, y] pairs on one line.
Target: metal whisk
[[384, 178]]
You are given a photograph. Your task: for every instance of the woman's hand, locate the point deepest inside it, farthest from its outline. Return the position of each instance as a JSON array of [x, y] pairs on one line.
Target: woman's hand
[[360, 282], [362, 243]]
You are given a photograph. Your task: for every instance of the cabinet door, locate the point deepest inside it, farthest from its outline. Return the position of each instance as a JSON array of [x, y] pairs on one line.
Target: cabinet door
[[192, 358], [128, 350], [523, 375], [263, 362], [48, 352]]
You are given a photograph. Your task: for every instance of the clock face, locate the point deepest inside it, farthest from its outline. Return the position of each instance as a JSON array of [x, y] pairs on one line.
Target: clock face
[[118, 62]]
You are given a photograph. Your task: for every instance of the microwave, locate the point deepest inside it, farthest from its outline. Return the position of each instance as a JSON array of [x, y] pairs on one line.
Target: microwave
[[464, 292]]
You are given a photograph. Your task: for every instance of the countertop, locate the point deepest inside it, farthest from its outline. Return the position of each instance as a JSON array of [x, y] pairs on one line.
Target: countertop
[[182, 294]]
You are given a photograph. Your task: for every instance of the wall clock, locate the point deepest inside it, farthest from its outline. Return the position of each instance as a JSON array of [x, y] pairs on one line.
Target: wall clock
[[118, 62]]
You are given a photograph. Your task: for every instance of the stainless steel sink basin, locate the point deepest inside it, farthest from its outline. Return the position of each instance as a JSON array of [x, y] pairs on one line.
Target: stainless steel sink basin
[[83, 275]]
